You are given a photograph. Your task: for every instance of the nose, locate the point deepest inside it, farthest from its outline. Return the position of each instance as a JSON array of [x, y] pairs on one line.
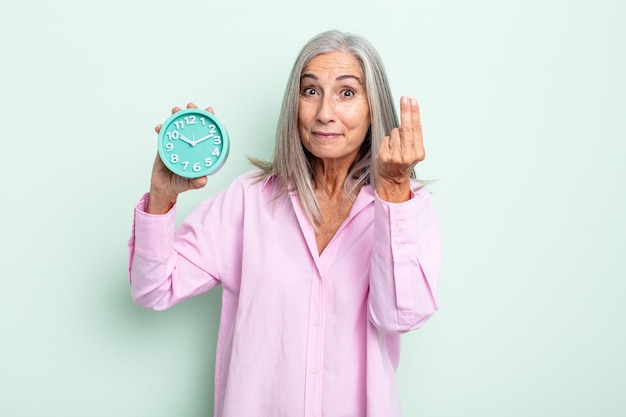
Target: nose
[[326, 109]]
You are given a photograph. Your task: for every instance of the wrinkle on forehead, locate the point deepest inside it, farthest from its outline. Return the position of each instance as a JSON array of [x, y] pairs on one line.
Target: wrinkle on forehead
[[340, 64]]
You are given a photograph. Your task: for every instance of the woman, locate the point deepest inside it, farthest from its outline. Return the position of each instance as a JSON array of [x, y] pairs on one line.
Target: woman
[[325, 255]]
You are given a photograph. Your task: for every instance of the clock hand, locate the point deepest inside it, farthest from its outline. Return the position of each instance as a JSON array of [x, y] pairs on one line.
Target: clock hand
[[187, 140], [203, 138]]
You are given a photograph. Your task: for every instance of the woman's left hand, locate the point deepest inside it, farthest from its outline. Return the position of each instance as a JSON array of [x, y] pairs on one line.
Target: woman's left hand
[[399, 153]]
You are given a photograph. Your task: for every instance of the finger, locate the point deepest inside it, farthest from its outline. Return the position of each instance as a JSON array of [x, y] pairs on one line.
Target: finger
[[384, 150], [191, 105], [417, 129], [158, 162], [175, 109], [395, 140], [406, 126], [157, 128], [416, 121], [210, 110], [390, 147], [199, 182], [384, 145]]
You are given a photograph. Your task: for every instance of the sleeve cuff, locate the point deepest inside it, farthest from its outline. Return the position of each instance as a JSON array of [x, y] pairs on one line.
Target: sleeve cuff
[[396, 228], [154, 233]]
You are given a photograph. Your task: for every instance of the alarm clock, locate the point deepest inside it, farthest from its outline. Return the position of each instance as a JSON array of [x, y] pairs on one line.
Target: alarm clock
[[193, 143]]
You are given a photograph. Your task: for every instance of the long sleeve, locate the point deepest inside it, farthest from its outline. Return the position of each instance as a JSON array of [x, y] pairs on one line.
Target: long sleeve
[[406, 264], [160, 276], [301, 333]]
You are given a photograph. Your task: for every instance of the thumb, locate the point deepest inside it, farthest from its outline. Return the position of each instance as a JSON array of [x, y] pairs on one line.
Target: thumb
[[198, 182]]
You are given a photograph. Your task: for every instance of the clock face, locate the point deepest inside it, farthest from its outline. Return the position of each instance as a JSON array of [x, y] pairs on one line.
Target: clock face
[[193, 143]]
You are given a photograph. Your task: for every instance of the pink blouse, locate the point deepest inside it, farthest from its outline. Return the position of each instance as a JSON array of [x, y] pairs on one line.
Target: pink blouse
[[301, 334]]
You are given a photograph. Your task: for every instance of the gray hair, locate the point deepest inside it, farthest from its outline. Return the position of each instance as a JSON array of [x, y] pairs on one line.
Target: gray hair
[[292, 164]]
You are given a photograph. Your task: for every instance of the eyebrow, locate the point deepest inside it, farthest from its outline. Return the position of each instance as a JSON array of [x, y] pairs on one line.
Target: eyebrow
[[339, 78]]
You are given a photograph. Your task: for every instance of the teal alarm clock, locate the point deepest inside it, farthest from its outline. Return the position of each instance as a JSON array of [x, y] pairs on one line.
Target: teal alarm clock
[[193, 143]]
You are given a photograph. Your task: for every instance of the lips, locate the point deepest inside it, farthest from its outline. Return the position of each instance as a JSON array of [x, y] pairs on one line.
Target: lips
[[326, 135]]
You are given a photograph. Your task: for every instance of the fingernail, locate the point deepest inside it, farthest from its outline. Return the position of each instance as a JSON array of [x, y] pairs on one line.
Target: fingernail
[[404, 100], [414, 102]]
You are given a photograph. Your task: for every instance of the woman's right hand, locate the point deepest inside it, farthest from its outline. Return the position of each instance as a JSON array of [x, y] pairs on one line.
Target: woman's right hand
[[165, 185]]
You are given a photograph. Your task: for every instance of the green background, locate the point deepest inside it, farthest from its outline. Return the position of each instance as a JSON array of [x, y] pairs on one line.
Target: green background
[[523, 105]]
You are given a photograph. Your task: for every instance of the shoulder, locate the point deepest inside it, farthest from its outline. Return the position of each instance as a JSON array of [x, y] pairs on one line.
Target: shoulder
[[252, 184], [254, 180]]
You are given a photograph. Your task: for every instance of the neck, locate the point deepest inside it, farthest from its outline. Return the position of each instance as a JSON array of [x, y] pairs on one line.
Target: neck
[[330, 178]]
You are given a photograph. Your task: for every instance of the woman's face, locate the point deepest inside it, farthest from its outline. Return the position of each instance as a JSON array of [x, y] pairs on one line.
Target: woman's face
[[333, 111]]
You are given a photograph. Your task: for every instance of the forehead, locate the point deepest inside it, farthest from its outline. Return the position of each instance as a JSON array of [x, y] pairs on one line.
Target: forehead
[[334, 64]]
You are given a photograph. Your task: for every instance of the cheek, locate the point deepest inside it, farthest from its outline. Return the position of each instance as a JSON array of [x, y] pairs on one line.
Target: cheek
[[358, 117], [301, 126], [360, 122], [303, 116]]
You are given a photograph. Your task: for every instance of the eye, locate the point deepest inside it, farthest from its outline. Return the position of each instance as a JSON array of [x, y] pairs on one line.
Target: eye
[[309, 91], [347, 93]]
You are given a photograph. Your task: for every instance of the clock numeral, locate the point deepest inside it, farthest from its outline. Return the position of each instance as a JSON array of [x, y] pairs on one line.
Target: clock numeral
[[217, 140], [179, 124], [196, 167], [216, 152], [174, 158], [173, 134], [203, 121], [212, 129], [190, 120], [185, 165], [169, 147], [208, 162]]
